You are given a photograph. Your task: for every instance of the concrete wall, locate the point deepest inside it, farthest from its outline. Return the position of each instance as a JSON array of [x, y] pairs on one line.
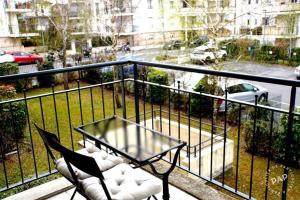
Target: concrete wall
[[11, 44], [218, 148]]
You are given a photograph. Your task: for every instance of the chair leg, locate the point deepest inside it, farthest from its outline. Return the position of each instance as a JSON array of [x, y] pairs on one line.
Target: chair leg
[[152, 196], [73, 195]]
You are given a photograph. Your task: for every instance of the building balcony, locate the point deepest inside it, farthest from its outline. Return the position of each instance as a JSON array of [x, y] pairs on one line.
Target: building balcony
[[213, 126], [278, 32], [23, 31], [19, 7]]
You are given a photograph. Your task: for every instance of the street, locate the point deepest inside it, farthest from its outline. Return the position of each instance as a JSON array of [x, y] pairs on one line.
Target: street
[[278, 94]]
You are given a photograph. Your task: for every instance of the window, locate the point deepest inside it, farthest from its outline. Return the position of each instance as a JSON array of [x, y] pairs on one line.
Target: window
[[184, 4], [248, 22], [256, 1], [248, 87], [249, 2], [105, 8], [97, 9], [266, 21], [255, 21], [171, 4], [149, 4], [236, 89]]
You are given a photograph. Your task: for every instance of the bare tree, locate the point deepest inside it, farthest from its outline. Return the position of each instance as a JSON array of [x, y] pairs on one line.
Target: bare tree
[[60, 18], [118, 24]]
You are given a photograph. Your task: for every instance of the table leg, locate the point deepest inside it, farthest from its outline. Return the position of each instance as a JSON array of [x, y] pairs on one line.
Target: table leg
[[166, 194], [165, 175]]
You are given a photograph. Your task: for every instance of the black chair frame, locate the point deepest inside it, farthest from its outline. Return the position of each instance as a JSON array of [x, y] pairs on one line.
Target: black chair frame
[[78, 160]]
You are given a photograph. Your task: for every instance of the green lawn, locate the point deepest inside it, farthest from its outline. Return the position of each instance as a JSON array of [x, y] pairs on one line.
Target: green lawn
[[12, 165]]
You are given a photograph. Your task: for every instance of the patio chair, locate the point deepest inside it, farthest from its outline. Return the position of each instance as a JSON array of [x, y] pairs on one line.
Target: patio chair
[[104, 160], [120, 182]]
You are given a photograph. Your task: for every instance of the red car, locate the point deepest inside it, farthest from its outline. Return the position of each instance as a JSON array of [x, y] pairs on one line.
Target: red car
[[25, 58]]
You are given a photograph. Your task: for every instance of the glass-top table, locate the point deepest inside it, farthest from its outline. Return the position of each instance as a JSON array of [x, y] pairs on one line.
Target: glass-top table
[[139, 144]]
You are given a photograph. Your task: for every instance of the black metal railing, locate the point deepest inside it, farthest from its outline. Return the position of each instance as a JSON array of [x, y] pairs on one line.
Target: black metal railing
[[211, 141]]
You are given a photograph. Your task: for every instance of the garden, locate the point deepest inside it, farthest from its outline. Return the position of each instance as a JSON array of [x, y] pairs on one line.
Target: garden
[[61, 112]]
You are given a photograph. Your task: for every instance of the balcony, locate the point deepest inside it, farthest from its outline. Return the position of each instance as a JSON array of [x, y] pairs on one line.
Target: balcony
[[11, 6], [23, 31], [215, 151], [283, 8], [280, 31]]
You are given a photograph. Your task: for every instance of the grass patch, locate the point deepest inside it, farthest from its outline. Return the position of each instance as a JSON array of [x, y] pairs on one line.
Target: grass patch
[[27, 162], [164, 57]]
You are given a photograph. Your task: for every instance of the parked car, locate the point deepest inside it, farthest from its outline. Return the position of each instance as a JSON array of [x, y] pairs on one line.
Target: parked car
[[207, 54], [124, 47], [237, 90], [297, 72], [6, 58], [199, 41], [243, 91], [173, 44], [25, 58], [87, 52]]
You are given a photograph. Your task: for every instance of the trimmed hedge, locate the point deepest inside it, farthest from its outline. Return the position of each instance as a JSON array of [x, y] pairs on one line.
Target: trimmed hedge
[[45, 80], [208, 85], [12, 68], [157, 94], [280, 141], [251, 50], [258, 145], [13, 121]]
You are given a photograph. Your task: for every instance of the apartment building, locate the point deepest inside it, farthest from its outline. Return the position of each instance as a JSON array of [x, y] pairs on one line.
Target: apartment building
[[271, 21], [152, 22], [12, 23]]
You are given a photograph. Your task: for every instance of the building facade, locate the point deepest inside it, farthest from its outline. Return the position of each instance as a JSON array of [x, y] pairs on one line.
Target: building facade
[[12, 23], [154, 22]]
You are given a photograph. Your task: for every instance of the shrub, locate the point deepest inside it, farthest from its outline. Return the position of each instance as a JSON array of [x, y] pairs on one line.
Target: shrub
[[156, 93], [232, 48], [101, 41], [164, 57], [203, 106], [12, 68], [260, 143], [233, 113], [12, 121], [280, 141], [295, 57], [45, 80]]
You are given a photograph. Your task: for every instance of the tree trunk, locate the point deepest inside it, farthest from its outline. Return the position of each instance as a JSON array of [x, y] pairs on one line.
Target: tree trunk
[[65, 75], [117, 87]]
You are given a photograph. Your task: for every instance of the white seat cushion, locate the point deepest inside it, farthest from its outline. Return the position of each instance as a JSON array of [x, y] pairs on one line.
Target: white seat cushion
[[123, 183], [104, 160]]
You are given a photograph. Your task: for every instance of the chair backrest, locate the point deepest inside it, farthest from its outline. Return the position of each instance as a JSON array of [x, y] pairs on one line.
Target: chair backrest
[[47, 137], [84, 163]]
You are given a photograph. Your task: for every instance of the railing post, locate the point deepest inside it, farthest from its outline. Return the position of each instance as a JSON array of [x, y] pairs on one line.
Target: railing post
[[288, 142], [123, 93], [136, 94], [137, 108]]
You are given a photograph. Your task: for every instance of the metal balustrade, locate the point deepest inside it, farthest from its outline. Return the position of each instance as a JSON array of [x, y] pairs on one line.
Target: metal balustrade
[[96, 99]]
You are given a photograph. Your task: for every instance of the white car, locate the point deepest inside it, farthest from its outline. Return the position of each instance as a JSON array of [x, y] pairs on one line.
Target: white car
[[6, 58], [297, 72], [237, 90], [207, 54], [243, 91]]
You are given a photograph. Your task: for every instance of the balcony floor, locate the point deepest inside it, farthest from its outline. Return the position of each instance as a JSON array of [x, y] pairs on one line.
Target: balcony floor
[[60, 189], [175, 193]]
